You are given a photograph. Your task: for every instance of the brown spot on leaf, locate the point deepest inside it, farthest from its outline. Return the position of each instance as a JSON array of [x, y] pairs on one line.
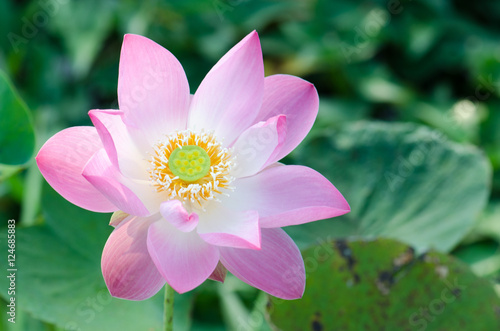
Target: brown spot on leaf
[[386, 277], [345, 251], [442, 271], [384, 282], [404, 258], [456, 292], [401, 264], [316, 324], [422, 257]]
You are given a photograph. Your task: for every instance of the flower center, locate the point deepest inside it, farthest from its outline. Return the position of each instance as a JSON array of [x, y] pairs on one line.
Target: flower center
[[191, 167], [189, 163]]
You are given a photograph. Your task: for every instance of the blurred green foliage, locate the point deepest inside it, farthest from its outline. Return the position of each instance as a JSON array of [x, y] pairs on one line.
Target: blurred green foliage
[[16, 131], [396, 177], [431, 63]]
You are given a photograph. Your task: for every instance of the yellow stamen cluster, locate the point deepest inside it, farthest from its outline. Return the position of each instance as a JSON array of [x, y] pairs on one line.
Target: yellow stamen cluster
[[200, 190]]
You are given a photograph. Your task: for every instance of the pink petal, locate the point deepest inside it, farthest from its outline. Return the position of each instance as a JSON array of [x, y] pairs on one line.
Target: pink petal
[[295, 98], [277, 268], [287, 195], [61, 161], [153, 90], [257, 145], [229, 96], [121, 148], [183, 259], [110, 182], [129, 158], [224, 227], [219, 273], [174, 212], [127, 268]]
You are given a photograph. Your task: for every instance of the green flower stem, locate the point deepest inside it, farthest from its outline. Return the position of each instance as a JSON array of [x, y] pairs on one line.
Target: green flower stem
[[168, 313]]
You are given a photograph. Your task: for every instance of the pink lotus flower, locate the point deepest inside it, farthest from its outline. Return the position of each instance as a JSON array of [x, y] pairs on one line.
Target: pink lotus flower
[[194, 180]]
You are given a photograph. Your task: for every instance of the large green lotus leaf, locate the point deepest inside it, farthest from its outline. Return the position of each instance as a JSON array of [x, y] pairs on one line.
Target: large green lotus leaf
[[59, 276], [383, 285], [402, 181], [17, 139]]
